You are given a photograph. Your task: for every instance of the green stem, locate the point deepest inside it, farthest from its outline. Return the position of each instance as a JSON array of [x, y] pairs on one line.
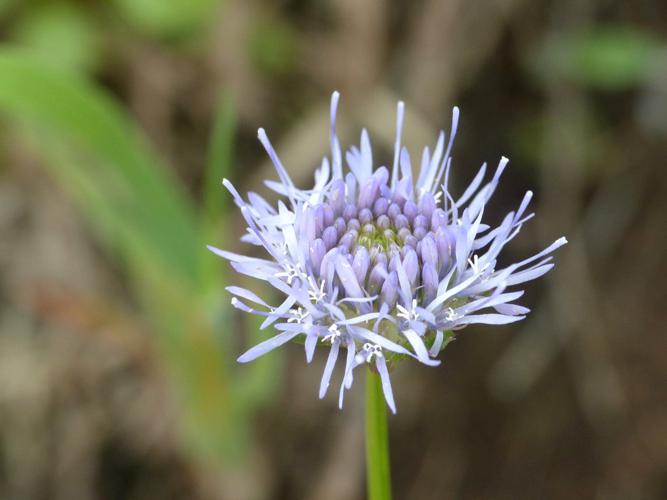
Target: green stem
[[378, 475]]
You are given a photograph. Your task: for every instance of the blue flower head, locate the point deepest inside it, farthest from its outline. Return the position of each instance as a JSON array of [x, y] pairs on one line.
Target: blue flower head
[[380, 263]]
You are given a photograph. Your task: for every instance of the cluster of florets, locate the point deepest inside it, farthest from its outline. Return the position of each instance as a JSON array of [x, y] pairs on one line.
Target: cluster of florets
[[377, 263]]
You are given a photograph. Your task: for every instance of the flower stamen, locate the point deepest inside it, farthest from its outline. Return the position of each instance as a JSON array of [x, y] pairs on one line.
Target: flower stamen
[[475, 265], [291, 273], [334, 333], [372, 350], [316, 293], [299, 315], [408, 314], [451, 314]]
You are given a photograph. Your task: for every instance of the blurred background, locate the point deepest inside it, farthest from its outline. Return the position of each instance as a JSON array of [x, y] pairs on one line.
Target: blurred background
[[118, 120]]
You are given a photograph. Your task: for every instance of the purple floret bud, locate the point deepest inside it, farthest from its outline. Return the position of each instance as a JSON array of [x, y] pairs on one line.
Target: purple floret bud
[[376, 278], [429, 250], [350, 211], [353, 225], [319, 219], [380, 206], [427, 204], [309, 225], [382, 175], [348, 240], [398, 199], [403, 233], [337, 196], [383, 222], [444, 241], [340, 225], [393, 211], [380, 257], [419, 232], [328, 216], [330, 237], [430, 282], [438, 219], [365, 215], [385, 192], [389, 292], [394, 260], [361, 263], [369, 192], [316, 251], [411, 241], [401, 221], [411, 266], [328, 262], [421, 221], [410, 210]]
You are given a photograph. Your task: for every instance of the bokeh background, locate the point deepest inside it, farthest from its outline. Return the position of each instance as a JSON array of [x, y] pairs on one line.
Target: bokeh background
[[118, 120]]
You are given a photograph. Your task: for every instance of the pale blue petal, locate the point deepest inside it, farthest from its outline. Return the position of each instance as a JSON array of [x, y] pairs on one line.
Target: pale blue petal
[[309, 346], [381, 366], [437, 343], [420, 349], [266, 346], [328, 368]]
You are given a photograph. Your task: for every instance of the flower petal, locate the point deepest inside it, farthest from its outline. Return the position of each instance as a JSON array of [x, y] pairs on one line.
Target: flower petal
[[266, 346]]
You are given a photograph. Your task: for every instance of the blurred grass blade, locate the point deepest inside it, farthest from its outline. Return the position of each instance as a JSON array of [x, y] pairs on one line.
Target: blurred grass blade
[[129, 197], [220, 153], [143, 199], [218, 166]]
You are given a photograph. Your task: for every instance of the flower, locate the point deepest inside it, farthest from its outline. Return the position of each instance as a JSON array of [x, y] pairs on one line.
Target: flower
[[377, 262]]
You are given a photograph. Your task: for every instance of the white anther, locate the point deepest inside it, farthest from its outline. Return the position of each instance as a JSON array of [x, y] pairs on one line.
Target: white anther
[[298, 315], [451, 314], [372, 350], [334, 333], [316, 293], [408, 314], [291, 272], [474, 265]]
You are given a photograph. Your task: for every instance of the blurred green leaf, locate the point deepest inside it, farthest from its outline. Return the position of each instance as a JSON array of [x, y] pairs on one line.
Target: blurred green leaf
[[141, 195], [133, 201], [273, 46], [61, 34], [218, 164], [5, 5], [172, 18], [611, 57]]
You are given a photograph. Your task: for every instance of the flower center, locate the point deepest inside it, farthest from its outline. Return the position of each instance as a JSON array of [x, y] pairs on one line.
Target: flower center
[[382, 233]]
